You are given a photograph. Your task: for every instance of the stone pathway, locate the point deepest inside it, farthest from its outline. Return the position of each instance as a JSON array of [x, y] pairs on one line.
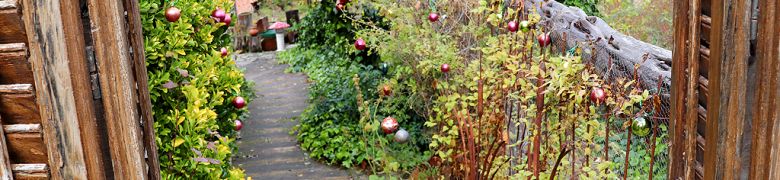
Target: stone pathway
[[266, 149]]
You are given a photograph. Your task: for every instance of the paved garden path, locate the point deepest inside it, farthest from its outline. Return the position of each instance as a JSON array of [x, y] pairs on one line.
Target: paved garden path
[[266, 149]]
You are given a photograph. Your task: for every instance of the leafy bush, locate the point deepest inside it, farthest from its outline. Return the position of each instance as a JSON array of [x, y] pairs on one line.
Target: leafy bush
[[333, 127], [191, 87]]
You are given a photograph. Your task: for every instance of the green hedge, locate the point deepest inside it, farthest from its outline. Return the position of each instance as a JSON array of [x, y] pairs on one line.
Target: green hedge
[[192, 87]]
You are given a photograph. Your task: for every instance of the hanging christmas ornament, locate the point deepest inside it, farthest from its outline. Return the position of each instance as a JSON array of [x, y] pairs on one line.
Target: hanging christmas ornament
[[525, 26], [389, 125], [512, 26], [597, 95], [172, 14], [401, 136], [383, 67], [640, 126], [360, 44], [239, 125]]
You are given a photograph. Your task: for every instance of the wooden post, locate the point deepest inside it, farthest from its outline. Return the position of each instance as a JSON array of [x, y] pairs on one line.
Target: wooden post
[[765, 151], [727, 88], [48, 50], [677, 122], [117, 83]]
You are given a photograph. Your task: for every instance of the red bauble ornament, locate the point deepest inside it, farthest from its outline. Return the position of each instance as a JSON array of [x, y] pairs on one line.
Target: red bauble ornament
[[239, 125], [544, 39], [512, 26], [340, 7], [172, 14], [227, 20], [218, 14], [253, 32], [597, 95], [224, 51], [239, 102], [389, 125], [445, 68], [360, 44], [343, 1], [433, 17], [387, 90]]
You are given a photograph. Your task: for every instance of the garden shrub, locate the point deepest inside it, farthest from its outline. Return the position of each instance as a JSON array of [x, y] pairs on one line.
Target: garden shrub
[[192, 87]]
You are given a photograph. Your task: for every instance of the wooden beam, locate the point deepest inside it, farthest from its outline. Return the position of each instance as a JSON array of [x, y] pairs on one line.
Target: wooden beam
[[11, 21], [677, 163], [142, 80], [92, 137], [5, 162], [728, 86], [118, 84], [48, 49], [765, 152]]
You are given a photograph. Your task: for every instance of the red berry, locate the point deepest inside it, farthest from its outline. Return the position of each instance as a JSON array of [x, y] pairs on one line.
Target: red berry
[[340, 7], [597, 95], [172, 14], [239, 102], [218, 14], [386, 90], [544, 39], [239, 125], [389, 125], [227, 20], [512, 26], [445, 68], [360, 44], [224, 51], [433, 17]]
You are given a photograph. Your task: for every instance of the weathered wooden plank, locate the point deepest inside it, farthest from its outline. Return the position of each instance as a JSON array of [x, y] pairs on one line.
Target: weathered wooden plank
[[141, 78], [117, 82], [22, 128], [765, 151], [16, 89], [677, 164], [692, 102], [11, 21], [26, 148], [30, 171], [96, 160], [19, 109], [5, 161], [728, 86], [54, 90], [14, 68]]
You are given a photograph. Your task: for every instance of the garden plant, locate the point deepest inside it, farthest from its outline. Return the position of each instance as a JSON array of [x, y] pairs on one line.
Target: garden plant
[[197, 91], [465, 90]]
